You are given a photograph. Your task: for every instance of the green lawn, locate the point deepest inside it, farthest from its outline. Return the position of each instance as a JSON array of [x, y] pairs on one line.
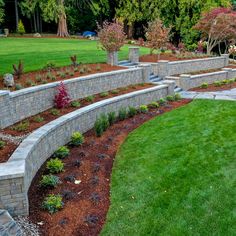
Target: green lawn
[[36, 52], [176, 175]]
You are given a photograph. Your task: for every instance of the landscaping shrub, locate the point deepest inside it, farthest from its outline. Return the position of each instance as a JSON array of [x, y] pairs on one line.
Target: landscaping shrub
[[77, 139], [55, 112], [111, 118], [204, 85], [20, 28], [2, 144], [38, 78], [18, 70], [22, 126], [115, 91], [50, 65], [104, 122], [143, 109], [217, 83], [61, 152], [74, 60], [98, 68], [38, 119], [90, 98], [49, 181], [19, 87], [75, 104], [162, 101], [225, 81], [29, 83], [122, 114], [62, 98], [132, 111], [101, 125], [52, 203], [170, 98], [154, 105], [177, 97], [55, 166], [104, 94]]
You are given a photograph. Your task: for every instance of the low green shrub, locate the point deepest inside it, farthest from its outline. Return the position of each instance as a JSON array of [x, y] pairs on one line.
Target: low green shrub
[[90, 98], [75, 104], [231, 81], [122, 114], [177, 97], [52, 203], [143, 109], [154, 105], [162, 101], [55, 112], [38, 119], [111, 118], [104, 94], [38, 78], [62, 152], [170, 98], [132, 111], [2, 144], [29, 83], [22, 126], [217, 84], [19, 86], [204, 85], [104, 122], [115, 91], [49, 181], [55, 166], [98, 68], [77, 139], [225, 81], [98, 128]]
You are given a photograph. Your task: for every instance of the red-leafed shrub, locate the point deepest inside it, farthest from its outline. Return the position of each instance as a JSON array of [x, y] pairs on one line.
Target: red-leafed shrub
[[62, 98], [111, 36]]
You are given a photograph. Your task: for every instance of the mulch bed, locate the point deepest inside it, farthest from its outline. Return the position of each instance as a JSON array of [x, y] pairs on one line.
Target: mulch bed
[[47, 116], [213, 88], [82, 216], [27, 79], [6, 151], [164, 56]]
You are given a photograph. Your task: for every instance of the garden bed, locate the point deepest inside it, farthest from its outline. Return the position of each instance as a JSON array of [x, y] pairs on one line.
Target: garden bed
[[169, 57], [87, 203], [58, 74], [214, 88], [28, 125]]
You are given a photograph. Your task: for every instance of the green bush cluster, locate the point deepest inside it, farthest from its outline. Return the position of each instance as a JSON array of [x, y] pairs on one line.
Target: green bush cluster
[[132, 111], [122, 114], [22, 126], [75, 104], [143, 109], [77, 139], [55, 166], [52, 203], [2, 144], [61, 152], [111, 118], [204, 85], [101, 125], [49, 181]]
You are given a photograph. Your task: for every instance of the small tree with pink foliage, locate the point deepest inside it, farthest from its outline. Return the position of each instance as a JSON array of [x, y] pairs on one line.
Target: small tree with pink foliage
[[62, 98], [112, 38]]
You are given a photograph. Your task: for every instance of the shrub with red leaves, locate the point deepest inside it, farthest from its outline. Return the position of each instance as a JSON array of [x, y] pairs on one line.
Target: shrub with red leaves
[[62, 98]]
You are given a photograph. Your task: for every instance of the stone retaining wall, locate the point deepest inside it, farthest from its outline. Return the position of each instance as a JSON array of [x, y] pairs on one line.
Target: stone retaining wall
[[18, 105], [187, 82], [16, 174], [167, 68]]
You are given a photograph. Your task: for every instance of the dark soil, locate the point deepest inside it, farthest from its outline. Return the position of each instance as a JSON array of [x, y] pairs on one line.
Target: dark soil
[[164, 56], [85, 209], [30, 79], [6, 151], [47, 116], [213, 88]]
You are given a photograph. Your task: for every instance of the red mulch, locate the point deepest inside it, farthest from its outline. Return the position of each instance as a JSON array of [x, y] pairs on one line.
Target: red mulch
[[6, 151], [94, 173], [164, 56], [43, 73], [48, 117], [213, 88]]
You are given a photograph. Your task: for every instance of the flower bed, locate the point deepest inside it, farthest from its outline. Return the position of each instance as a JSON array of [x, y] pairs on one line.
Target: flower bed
[[86, 203], [49, 75]]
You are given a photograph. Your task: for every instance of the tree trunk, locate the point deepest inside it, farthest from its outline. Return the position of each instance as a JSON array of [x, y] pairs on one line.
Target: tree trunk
[[62, 30], [16, 14]]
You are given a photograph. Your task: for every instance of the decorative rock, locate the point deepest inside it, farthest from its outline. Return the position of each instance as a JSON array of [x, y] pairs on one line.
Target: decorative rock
[[8, 227], [8, 80], [37, 35]]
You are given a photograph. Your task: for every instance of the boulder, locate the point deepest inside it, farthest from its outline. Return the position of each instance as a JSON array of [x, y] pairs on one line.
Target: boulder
[[8, 80], [37, 35], [8, 227]]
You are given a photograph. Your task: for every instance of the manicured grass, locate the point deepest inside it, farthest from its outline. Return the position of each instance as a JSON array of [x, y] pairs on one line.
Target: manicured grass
[[175, 175], [36, 52]]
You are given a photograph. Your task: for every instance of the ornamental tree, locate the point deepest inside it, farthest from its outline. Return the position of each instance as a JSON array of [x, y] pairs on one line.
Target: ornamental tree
[[1, 11], [111, 36], [217, 26], [62, 98], [157, 35]]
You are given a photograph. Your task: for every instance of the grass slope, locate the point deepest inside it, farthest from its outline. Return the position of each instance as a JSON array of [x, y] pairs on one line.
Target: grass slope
[[175, 175], [36, 52]]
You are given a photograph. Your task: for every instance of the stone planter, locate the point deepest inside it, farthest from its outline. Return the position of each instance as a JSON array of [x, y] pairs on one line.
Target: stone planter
[[6, 32], [112, 58]]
